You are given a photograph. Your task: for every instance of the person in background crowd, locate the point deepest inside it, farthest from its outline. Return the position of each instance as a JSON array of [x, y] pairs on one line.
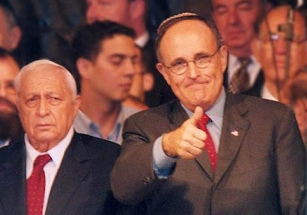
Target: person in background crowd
[[235, 20], [105, 57], [208, 152], [280, 57], [134, 14], [143, 82], [10, 126], [10, 31]]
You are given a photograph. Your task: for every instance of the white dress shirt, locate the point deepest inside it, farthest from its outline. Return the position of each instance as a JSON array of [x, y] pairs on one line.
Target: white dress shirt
[[266, 94], [52, 167], [142, 40]]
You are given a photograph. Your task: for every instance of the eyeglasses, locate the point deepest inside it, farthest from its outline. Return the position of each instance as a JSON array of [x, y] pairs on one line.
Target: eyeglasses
[[276, 37], [201, 61]]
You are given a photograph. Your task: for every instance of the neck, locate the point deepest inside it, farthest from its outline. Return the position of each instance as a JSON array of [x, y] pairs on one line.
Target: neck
[[101, 111], [240, 52]]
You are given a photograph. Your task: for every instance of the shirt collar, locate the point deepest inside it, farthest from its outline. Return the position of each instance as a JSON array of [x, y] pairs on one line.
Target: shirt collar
[[233, 62], [266, 94], [4, 143], [56, 153], [142, 40]]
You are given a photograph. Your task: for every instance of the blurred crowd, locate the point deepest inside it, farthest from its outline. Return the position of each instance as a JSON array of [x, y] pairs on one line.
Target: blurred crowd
[[32, 30]]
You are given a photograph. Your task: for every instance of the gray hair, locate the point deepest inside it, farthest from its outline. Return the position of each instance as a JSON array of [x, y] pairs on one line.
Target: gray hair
[[36, 65]]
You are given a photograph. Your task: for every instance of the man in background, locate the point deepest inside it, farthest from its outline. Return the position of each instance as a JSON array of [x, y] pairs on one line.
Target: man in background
[[105, 57], [10, 32], [280, 57], [235, 20], [10, 126], [134, 14]]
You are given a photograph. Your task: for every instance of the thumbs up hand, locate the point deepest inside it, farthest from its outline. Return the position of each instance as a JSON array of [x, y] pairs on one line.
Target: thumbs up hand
[[187, 141]]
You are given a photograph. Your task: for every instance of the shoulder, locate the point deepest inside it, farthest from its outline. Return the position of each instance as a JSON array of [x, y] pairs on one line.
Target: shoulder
[[128, 111], [156, 113], [14, 149], [257, 106], [96, 146]]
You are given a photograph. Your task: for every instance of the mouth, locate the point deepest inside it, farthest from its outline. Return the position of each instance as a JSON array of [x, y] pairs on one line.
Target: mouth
[[197, 86], [5, 107], [43, 126], [126, 86]]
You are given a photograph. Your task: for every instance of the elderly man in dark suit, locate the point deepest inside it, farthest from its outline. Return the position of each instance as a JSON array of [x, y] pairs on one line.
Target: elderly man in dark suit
[[52, 170], [248, 159]]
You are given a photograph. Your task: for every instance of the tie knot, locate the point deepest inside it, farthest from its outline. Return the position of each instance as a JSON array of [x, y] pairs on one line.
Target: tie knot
[[203, 121], [42, 160], [244, 61]]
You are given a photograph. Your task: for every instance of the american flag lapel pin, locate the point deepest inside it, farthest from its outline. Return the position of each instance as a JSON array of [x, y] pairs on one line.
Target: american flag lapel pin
[[235, 133]]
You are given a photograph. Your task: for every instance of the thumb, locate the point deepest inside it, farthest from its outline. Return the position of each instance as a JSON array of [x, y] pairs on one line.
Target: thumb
[[198, 112]]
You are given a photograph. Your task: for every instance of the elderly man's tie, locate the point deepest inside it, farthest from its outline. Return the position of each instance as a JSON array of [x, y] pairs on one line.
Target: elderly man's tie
[[36, 186]]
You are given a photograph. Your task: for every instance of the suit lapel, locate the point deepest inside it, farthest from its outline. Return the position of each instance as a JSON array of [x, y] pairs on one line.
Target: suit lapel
[[74, 168], [13, 180], [177, 115], [234, 129]]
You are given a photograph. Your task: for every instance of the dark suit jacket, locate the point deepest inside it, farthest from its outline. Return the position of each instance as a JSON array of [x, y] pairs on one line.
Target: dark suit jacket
[[260, 166], [81, 186], [256, 89]]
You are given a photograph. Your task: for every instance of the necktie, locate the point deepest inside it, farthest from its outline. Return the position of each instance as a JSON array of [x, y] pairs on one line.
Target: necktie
[[36, 186], [240, 80], [209, 145]]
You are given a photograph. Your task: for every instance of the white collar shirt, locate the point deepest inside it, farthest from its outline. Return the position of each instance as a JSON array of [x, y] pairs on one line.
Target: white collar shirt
[[52, 167]]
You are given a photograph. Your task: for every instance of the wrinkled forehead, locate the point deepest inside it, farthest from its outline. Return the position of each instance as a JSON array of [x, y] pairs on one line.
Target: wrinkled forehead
[[44, 76]]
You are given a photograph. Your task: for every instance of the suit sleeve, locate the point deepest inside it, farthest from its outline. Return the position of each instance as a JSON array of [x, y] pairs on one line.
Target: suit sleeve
[[133, 177], [291, 164]]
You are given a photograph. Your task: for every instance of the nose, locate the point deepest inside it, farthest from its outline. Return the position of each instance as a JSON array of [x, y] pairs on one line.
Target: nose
[[3, 91], [280, 46], [233, 17], [130, 68], [43, 108], [192, 71]]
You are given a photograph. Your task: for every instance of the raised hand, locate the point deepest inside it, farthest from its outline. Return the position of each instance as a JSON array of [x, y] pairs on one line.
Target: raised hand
[[187, 141]]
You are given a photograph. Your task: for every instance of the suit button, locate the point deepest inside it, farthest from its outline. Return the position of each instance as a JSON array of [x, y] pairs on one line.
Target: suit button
[[146, 180]]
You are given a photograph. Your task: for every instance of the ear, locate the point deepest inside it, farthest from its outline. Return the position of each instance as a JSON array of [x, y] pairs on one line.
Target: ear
[[15, 36], [137, 9], [148, 81], [163, 72], [77, 103], [84, 67], [224, 57]]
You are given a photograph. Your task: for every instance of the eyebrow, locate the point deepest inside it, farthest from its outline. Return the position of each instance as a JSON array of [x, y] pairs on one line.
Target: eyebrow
[[122, 56]]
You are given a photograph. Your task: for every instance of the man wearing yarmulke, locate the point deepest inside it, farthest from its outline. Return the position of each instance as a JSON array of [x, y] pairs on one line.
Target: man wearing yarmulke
[[210, 152]]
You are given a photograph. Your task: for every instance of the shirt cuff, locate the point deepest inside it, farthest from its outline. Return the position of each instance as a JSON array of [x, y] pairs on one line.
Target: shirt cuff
[[163, 164]]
